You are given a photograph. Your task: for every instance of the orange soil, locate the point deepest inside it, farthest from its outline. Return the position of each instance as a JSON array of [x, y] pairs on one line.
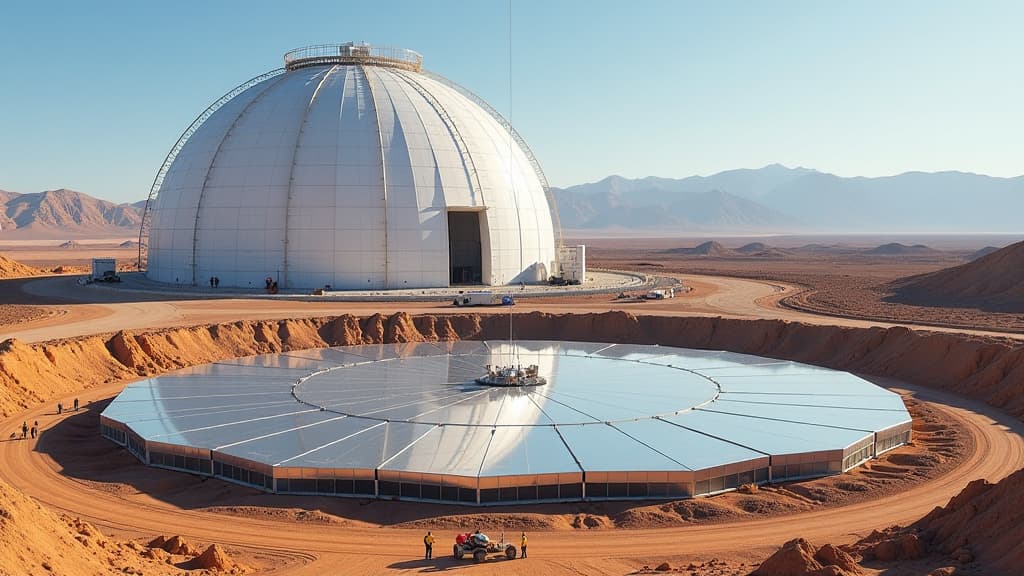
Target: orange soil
[[34, 540], [995, 282], [989, 369], [13, 269], [985, 368]]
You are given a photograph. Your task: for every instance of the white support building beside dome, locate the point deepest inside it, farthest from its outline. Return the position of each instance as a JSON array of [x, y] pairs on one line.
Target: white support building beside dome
[[350, 167]]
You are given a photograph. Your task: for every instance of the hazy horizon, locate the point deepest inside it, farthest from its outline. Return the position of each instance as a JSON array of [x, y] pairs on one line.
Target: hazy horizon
[[652, 88]]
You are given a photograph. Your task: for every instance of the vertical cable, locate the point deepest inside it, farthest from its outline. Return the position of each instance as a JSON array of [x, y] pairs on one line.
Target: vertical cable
[[511, 156]]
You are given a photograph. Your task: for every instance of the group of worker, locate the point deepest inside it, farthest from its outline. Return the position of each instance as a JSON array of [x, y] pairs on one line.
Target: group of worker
[[33, 431], [428, 545]]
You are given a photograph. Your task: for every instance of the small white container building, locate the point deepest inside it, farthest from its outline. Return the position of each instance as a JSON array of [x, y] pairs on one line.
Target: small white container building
[[103, 268], [572, 261]]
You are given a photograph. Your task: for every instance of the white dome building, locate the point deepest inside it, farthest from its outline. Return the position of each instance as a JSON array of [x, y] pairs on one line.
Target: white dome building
[[350, 167]]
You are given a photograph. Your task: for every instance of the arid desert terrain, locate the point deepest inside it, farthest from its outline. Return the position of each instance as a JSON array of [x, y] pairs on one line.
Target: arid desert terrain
[[931, 318]]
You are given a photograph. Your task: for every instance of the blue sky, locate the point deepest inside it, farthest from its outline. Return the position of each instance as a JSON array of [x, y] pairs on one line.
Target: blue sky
[[93, 94]]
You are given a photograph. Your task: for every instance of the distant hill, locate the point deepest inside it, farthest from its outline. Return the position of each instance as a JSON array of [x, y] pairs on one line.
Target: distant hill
[[647, 204], [772, 199], [5, 196], [913, 201], [777, 198], [752, 248], [66, 211], [993, 282], [706, 249], [983, 252], [897, 249]]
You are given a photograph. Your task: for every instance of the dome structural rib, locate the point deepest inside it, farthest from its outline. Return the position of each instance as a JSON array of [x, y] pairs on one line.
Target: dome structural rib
[[158, 181]]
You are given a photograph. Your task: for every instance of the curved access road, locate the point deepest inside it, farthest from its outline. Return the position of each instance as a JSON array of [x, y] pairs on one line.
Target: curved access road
[[83, 311]]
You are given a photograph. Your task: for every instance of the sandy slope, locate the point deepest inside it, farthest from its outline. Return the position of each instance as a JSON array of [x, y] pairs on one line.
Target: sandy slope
[[14, 269], [995, 281], [34, 540]]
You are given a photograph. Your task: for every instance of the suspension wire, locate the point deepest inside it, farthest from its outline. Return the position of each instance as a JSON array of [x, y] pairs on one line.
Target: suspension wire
[[513, 352]]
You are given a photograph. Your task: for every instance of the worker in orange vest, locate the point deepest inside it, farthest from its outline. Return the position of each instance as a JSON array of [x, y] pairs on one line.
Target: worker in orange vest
[[522, 546]]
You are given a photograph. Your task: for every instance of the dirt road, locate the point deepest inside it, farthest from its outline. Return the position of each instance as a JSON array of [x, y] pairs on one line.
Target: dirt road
[[86, 310]]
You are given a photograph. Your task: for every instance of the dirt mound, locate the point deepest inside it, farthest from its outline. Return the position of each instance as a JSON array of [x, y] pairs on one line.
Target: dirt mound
[[506, 521], [994, 282], [799, 558], [891, 546], [985, 521], [13, 269], [70, 244], [676, 514], [897, 249], [174, 545], [128, 244], [590, 522], [34, 540], [216, 559]]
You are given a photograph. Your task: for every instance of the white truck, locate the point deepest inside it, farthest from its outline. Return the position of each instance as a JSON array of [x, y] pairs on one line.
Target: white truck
[[661, 294], [482, 298], [104, 270]]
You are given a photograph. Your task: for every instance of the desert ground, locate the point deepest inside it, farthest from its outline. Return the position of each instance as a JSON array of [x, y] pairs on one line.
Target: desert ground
[[960, 369]]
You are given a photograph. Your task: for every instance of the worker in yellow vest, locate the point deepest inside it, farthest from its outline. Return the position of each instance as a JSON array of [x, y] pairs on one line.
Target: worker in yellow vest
[[522, 546], [428, 544]]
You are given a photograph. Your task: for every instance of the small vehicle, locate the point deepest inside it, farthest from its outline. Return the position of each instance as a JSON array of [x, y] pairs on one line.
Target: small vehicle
[[483, 298], [479, 546], [661, 294], [562, 281]]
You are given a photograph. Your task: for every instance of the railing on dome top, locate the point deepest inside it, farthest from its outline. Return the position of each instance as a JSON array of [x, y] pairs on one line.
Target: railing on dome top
[[555, 221], [353, 53], [154, 190]]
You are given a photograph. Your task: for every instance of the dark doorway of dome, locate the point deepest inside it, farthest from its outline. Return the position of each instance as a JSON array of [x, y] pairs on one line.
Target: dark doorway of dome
[[465, 260]]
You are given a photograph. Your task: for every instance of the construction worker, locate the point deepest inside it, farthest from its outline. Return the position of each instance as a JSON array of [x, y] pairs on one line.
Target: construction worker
[[522, 546], [428, 544]]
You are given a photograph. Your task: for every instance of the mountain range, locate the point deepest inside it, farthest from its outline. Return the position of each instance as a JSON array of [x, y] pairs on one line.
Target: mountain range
[[66, 212], [772, 199], [780, 199]]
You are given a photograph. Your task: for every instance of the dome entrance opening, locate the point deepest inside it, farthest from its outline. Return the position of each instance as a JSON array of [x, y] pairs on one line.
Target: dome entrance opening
[[465, 249]]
